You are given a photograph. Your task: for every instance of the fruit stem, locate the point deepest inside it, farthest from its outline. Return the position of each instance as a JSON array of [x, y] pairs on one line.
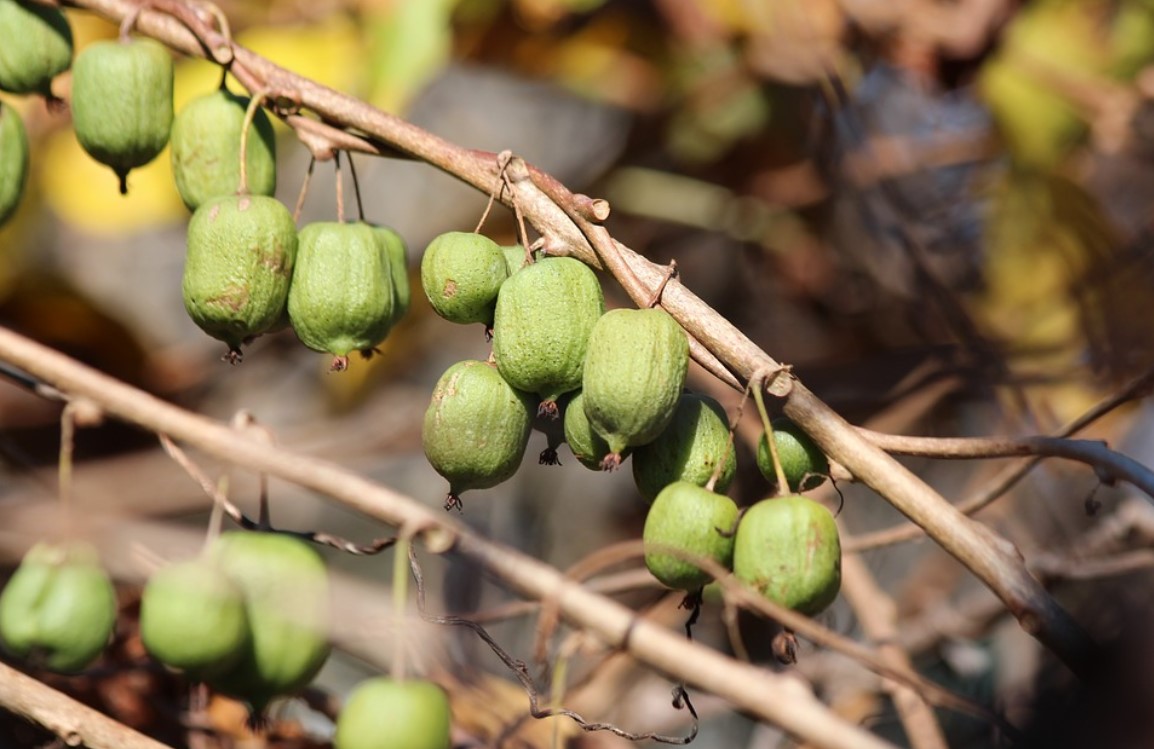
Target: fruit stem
[[400, 604], [340, 188], [304, 190], [356, 188], [771, 443], [64, 469], [216, 519], [249, 114]]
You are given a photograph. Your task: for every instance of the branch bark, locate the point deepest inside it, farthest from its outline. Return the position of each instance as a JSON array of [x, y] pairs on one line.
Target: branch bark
[[773, 698], [74, 722], [563, 220]]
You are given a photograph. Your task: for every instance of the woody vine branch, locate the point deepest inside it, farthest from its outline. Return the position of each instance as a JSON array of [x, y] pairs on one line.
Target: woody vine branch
[[570, 225]]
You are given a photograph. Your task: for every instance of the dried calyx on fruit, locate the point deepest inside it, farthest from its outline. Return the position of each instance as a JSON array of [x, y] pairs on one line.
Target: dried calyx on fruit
[[544, 315], [685, 521], [241, 252], [802, 461], [789, 549], [691, 448], [59, 607], [36, 46], [634, 371], [341, 298], [285, 586], [205, 148], [461, 274], [412, 714], [476, 428], [13, 161], [122, 102]]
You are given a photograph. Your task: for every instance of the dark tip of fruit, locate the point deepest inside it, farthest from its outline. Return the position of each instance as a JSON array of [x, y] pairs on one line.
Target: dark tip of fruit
[[340, 364], [611, 462], [233, 356], [488, 333], [452, 501], [549, 409], [123, 182], [367, 353], [549, 457], [785, 648]]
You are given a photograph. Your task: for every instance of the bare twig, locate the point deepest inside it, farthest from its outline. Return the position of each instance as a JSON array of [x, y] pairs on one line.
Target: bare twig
[[1006, 480], [763, 694], [74, 722], [566, 222], [877, 615]]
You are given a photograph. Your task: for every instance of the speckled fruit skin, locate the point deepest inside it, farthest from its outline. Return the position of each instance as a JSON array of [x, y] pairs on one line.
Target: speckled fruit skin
[[35, 46], [634, 371], [788, 548], [588, 447], [692, 519], [192, 617], [241, 253], [122, 102], [802, 461], [13, 160], [205, 149], [541, 327], [476, 427], [689, 449], [383, 713], [286, 593], [461, 274], [341, 298], [398, 254], [59, 607]]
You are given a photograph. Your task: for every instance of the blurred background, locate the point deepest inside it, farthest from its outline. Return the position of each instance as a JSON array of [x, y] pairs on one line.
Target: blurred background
[[937, 212]]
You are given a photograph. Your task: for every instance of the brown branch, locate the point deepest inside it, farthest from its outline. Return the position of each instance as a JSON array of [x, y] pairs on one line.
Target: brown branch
[[1108, 464], [877, 614], [768, 696], [74, 722], [1008, 478], [563, 221]]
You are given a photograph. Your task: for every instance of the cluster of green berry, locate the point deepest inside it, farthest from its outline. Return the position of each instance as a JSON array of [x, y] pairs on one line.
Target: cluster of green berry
[[342, 286], [610, 384]]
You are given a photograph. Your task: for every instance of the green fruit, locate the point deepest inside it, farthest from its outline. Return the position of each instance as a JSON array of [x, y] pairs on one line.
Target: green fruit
[[383, 713], [36, 47], [192, 617], [588, 447], [802, 461], [692, 520], [541, 327], [788, 549], [206, 149], [476, 428], [690, 449], [515, 258], [341, 298], [241, 252], [461, 274], [634, 371], [122, 103], [59, 607], [286, 595], [398, 254], [13, 160]]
